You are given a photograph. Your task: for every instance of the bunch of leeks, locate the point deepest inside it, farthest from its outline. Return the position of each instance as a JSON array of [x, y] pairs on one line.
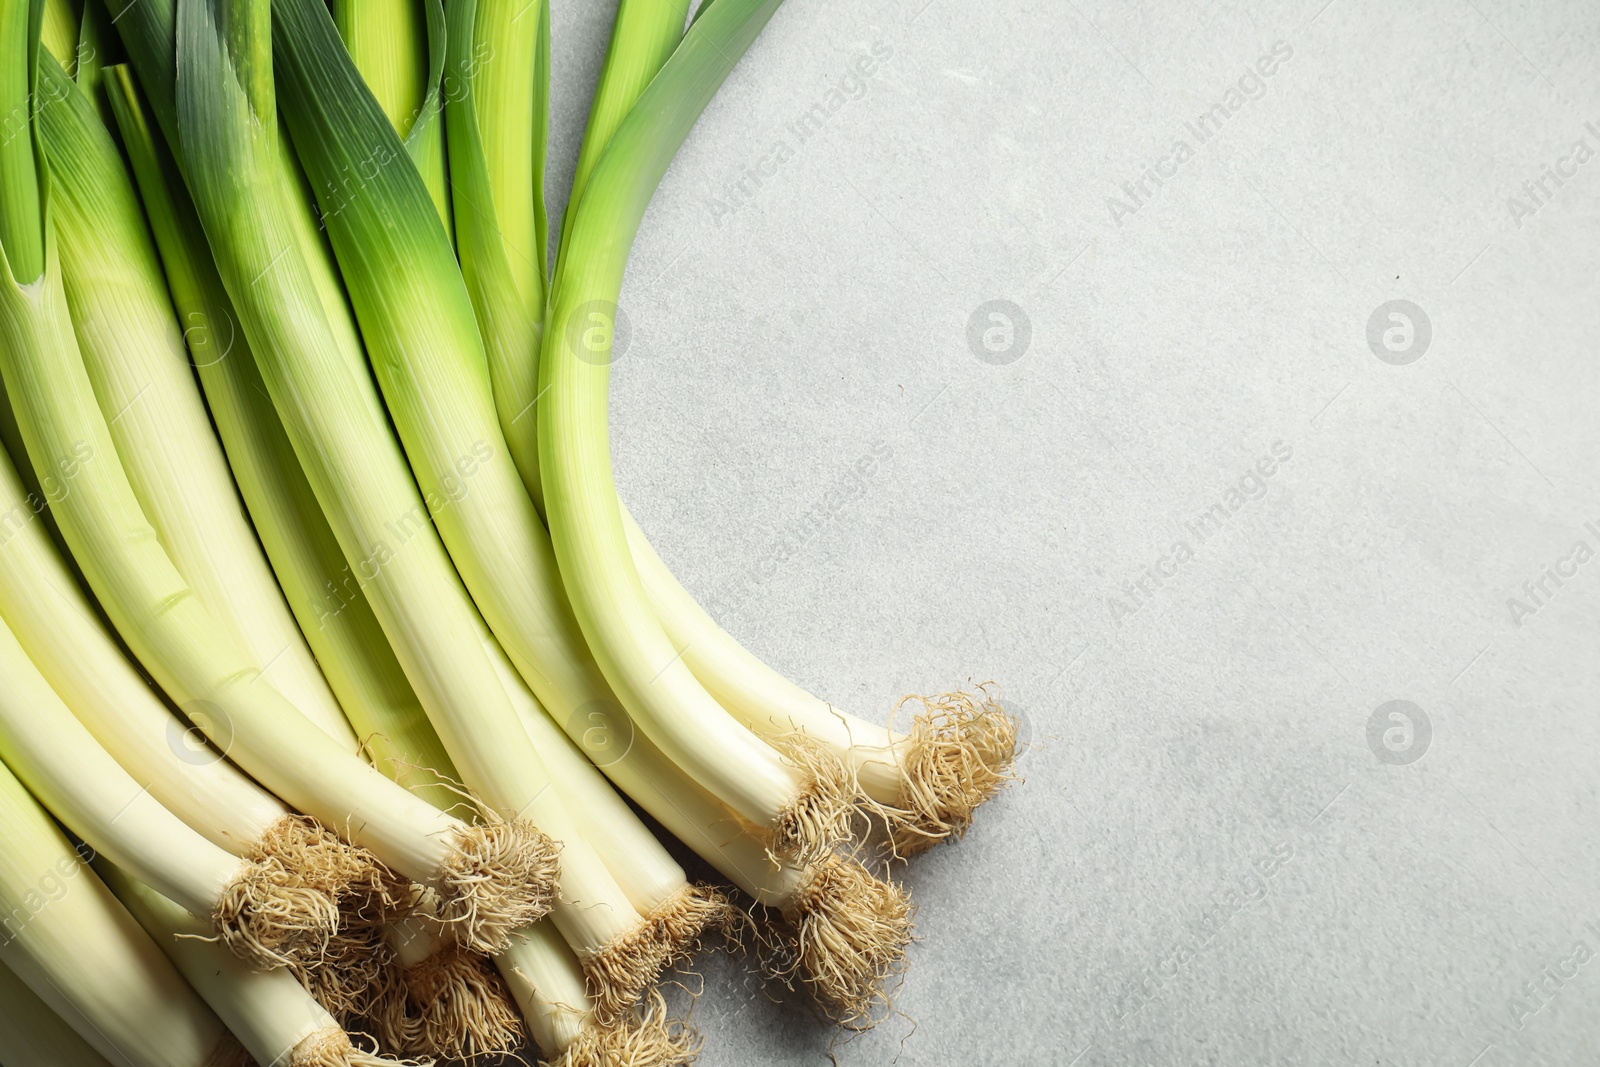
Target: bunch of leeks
[[322, 625]]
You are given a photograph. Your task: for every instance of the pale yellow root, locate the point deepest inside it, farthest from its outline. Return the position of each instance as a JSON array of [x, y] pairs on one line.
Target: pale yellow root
[[501, 878], [272, 925], [332, 1048], [298, 892], [453, 1005], [820, 819], [960, 752], [849, 932], [353, 979], [367, 891], [683, 919], [645, 1037], [621, 973], [229, 1053]]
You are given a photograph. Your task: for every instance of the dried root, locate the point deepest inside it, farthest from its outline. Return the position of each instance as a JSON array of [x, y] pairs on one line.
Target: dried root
[[367, 892], [453, 1005], [502, 878], [645, 1037], [848, 932], [683, 919], [959, 753], [819, 819], [352, 979], [332, 1048], [270, 922], [621, 972], [299, 891]]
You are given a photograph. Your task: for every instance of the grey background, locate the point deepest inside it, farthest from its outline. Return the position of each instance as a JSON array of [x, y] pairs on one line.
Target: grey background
[[1185, 748]]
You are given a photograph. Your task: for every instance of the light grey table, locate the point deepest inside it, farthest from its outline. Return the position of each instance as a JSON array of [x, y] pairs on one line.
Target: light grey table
[[1339, 346]]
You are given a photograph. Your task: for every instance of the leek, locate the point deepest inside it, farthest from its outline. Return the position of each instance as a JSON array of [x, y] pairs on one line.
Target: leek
[[418, 323], [494, 877], [21, 221], [801, 800], [547, 977], [31, 1033], [59, 34], [925, 783], [325, 595], [643, 38], [131, 345], [277, 1022], [499, 73], [67, 938], [498, 179], [399, 46], [44, 608], [262, 911], [958, 753]]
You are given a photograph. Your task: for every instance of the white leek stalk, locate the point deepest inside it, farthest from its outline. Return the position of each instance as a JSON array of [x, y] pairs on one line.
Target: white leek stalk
[[41, 602], [78, 949], [263, 912], [551, 986], [925, 783], [31, 1033]]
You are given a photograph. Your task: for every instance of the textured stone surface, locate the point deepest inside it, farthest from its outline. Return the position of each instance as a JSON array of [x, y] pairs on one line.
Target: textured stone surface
[[1209, 862]]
